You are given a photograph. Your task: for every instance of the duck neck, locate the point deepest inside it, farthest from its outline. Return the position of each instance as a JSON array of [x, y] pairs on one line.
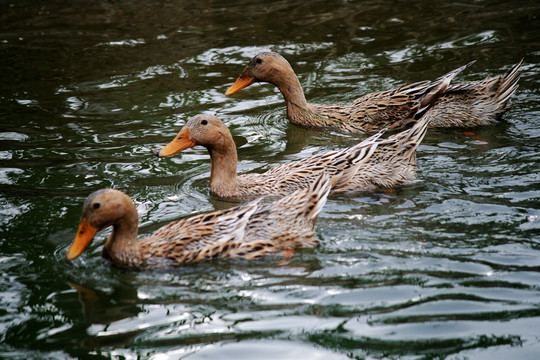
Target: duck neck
[[291, 89], [223, 178], [122, 247]]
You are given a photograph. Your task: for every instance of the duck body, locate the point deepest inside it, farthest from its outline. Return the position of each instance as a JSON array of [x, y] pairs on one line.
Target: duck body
[[370, 165], [244, 232], [475, 103], [393, 163], [472, 103]]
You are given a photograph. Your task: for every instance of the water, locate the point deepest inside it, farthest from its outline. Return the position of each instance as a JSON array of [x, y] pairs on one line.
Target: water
[[447, 267]]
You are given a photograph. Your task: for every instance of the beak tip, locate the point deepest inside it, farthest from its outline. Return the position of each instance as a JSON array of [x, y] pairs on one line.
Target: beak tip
[[85, 234], [70, 256], [239, 84], [161, 154]]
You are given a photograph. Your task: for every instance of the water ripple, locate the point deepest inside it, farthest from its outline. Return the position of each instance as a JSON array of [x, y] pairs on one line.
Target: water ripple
[[446, 267]]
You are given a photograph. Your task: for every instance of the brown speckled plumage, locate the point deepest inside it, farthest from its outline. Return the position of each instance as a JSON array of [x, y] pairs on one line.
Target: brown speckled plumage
[[475, 103], [244, 232], [465, 104], [370, 165], [394, 161]]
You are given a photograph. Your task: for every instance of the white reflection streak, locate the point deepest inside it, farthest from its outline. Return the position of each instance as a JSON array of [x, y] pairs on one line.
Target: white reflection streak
[[125, 325]]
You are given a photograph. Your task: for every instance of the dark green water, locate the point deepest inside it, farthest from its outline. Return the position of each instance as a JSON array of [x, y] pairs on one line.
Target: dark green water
[[448, 267]]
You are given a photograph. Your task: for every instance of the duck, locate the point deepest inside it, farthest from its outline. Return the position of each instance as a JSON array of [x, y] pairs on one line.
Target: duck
[[467, 104], [245, 232], [369, 165]]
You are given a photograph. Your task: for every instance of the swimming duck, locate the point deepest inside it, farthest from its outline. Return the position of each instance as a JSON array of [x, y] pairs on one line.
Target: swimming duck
[[467, 104], [367, 166], [244, 232]]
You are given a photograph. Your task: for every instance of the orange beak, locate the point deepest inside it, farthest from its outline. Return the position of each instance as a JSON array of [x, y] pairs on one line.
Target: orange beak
[[85, 234], [180, 142], [239, 84]]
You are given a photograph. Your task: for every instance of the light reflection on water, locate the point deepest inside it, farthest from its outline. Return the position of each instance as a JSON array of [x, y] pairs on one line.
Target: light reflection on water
[[445, 267]]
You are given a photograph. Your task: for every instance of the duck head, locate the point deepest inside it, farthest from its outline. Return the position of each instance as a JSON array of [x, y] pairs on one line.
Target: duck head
[[264, 67], [103, 208], [206, 130]]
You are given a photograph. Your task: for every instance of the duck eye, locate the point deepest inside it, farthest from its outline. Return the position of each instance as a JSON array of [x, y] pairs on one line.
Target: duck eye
[[204, 122], [97, 205], [258, 61]]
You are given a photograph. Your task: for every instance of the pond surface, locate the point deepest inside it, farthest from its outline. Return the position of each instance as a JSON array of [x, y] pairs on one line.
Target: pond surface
[[447, 267]]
